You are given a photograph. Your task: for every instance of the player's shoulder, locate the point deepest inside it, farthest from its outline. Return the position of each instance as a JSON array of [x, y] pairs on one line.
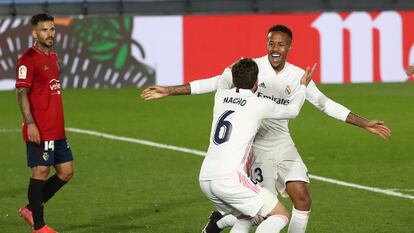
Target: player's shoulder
[[294, 69], [293, 72], [261, 60], [54, 54], [28, 58], [262, 105], [29, 54]]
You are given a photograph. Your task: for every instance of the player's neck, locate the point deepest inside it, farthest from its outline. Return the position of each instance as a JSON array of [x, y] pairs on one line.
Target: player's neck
[[253, 90], [279, 68], [41, 48]]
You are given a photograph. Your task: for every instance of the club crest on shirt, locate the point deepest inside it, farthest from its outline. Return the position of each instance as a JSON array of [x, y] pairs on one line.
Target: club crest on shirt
[[288, 90], [45, 156], [45, 68], [22, 72]]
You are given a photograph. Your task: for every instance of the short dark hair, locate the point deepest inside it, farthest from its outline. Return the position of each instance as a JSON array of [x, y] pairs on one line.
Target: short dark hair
[[281, 28], [245, 73], [42, 17]]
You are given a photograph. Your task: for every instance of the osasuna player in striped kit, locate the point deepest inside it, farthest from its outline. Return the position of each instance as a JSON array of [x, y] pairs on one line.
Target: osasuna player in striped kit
[[277, 163], [237, 115]]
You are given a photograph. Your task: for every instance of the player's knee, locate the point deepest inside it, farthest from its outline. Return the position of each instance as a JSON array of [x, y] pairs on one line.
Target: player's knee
[[302, 202], [65, 176], [300, 195]]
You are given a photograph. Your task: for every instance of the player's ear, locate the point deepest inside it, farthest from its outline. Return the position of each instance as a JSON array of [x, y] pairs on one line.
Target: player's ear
[[34, 33]]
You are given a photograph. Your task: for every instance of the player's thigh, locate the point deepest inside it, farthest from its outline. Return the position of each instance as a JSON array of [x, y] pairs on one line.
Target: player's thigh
[[263, 169], [221, 206], [63, 153], [290, 167], [244, 196], [39, 154]]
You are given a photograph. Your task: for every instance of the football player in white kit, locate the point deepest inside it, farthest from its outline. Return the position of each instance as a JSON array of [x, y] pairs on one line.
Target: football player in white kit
[[237, 115], [277, 163]]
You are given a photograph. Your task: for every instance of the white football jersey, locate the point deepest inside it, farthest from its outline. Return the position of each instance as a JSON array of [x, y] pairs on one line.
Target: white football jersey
[[236, 119], [280, 88]]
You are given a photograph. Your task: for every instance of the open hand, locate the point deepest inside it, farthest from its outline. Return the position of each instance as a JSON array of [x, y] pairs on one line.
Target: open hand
[[154, 92], [307, 76], [379, 128]]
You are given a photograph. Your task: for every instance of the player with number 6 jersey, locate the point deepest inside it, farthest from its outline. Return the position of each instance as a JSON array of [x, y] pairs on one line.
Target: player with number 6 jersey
[[237, 115]]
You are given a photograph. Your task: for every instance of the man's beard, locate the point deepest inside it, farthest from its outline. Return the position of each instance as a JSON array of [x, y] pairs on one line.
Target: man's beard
[[44, 44]]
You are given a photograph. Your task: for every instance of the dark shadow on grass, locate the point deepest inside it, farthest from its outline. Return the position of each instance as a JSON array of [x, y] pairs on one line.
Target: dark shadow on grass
[[123, 222]]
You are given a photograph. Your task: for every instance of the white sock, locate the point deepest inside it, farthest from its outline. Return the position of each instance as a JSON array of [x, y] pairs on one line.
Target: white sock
[[273, 224], [298, 221], [241, 226], [226, 221]]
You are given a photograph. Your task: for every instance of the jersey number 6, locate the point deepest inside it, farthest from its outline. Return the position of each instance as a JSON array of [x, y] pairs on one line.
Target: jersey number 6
[[223, 129]]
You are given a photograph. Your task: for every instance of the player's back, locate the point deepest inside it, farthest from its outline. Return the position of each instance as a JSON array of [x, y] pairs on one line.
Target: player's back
[[237, 116]]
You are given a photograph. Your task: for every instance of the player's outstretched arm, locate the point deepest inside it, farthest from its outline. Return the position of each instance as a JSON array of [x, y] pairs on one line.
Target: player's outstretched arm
[[32, 130], [158, 92], [410, 70], [374, 126]]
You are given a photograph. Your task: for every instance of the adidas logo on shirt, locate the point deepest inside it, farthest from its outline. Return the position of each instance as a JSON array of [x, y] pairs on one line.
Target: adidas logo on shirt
[[262, 85]]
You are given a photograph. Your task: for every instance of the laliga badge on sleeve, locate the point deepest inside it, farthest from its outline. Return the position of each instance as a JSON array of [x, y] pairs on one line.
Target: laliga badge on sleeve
[[22, 72]]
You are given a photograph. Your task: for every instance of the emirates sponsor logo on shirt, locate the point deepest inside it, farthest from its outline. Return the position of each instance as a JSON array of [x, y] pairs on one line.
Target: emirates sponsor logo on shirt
[[273, 98], [55, 87]]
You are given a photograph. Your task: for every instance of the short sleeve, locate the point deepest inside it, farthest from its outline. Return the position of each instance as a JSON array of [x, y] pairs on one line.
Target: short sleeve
[[24, 73]]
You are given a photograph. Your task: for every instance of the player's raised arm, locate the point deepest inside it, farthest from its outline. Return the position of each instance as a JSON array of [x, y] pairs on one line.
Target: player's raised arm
[[195, 87], [202, 86], [410, 70], [158, 92]]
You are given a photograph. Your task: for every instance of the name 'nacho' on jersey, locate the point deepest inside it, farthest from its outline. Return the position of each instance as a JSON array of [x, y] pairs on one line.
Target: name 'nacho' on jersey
[[231, 100], [273, 98]]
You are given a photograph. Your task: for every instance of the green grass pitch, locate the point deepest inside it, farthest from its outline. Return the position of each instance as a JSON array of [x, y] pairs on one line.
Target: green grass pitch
[[125, 187]]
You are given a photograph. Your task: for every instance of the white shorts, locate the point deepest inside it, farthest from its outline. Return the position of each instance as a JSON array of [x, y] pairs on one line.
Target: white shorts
[[273, 169], [238, 195]]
